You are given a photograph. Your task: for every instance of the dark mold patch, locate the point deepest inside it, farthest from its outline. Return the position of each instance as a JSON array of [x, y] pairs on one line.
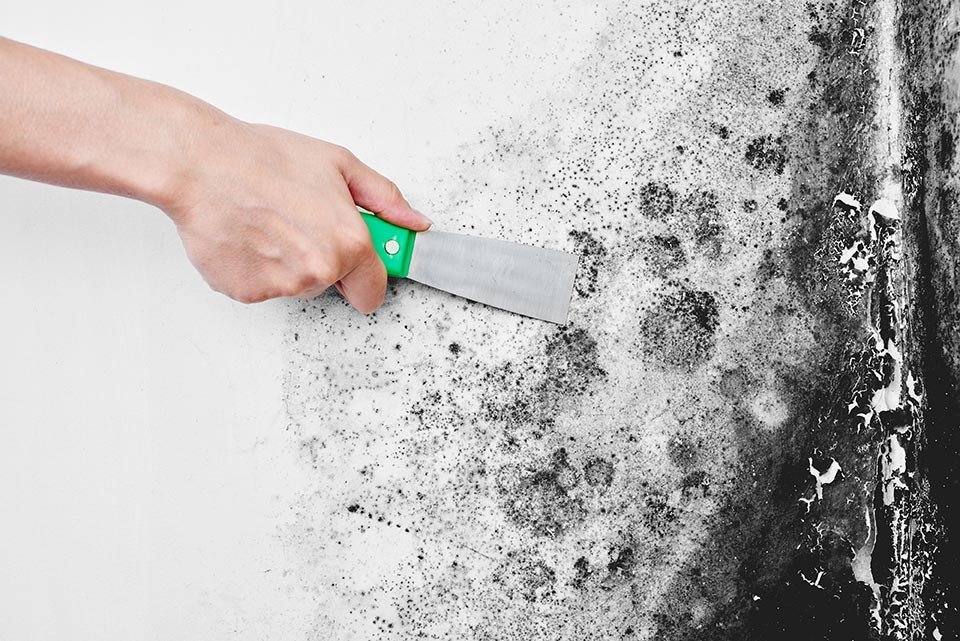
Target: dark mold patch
[[524, 576], [542, 499], [598, 472], [776, 96], [767, 152], [592, 257], [656, 200], [681, 330], [664, 253], [701, 209]]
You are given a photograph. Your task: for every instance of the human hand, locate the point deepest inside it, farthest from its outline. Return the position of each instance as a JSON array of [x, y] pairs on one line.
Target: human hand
[[264, 212]]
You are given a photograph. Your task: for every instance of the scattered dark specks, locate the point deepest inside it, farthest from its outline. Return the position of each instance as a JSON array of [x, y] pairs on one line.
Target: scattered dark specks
[[541, 499], [737, 383], [694, 481], [683, 451], [750, 206], [659, 516], [776, 96], [573, 362], [664, 253], [723, 131], [598, 472], [680, 331], [524, 575], [702, 210], [581, 573], [656, 200], [622, 562], [592, 256], [767, 152]]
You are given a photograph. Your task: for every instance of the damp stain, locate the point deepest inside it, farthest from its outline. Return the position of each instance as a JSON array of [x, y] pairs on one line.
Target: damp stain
[[680, 330], [604, 480]]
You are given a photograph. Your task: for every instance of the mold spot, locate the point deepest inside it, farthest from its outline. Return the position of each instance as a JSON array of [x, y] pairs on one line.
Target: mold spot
[[572, 362], [680, 331], [664, 253], [661, 518], [592, 255], [702, 210], [598, 472], [683, 451], [621, 565], [540, 499], [767, 152], [581, 573], [694, 482], [656, 200], [776, 96], [525, 576]]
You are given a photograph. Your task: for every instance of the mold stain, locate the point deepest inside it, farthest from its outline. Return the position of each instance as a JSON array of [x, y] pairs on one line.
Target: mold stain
[[603, 480]]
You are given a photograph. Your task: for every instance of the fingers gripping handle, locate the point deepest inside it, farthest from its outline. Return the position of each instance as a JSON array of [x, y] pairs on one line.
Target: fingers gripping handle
[[393, 244]]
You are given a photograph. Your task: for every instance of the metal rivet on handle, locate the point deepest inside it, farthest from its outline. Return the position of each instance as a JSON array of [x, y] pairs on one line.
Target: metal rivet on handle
[[391, 246]]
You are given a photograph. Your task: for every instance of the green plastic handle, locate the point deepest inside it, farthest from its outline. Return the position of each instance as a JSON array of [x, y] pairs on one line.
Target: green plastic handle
[[393, 244]]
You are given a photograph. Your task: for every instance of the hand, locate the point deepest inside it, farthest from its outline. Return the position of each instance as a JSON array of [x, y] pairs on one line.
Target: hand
[[264, 212]]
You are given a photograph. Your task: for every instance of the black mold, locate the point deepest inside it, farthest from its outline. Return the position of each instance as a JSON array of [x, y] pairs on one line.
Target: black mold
[[598, 472], [680, 331], [767, 152], [542, 500], [592, 256], [656, 200], [664, 253]]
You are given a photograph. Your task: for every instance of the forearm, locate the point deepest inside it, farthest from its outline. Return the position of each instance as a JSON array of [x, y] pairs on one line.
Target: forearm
[[262, 212], [68, 123]]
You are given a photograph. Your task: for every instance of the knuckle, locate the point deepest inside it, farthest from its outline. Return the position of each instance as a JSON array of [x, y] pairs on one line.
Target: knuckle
[[320, 273], [342, 154], [249, 297], [393, 191], [355, 244]]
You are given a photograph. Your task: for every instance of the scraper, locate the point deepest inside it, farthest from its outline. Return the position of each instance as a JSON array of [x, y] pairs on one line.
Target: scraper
[[519, 278]]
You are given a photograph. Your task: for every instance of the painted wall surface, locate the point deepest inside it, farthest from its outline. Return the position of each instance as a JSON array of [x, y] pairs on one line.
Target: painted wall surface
[[725, 441]]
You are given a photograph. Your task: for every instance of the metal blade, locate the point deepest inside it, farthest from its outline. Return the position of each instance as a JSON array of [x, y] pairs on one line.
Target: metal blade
[[518, 278]]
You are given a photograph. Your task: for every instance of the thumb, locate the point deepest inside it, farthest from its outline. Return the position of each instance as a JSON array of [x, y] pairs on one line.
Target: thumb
[[380, 196]]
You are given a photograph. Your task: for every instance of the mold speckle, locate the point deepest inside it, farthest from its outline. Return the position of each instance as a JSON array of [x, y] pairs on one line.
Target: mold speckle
[[541, 499], [664, 253], [767, 152], [702, 209], [592, 256], [776, 96], [523, 575], [656, 200], [598, 472], [681, 330]]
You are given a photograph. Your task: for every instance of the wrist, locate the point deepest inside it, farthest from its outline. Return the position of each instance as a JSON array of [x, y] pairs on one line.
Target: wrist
[[182, 128]]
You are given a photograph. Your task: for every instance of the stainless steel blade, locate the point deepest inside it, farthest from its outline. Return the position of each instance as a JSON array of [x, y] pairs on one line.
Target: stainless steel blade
[[526, 280]]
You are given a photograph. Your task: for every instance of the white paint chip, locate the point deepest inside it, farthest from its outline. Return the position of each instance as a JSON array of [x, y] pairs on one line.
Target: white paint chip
[[885, 208], [846, 200]]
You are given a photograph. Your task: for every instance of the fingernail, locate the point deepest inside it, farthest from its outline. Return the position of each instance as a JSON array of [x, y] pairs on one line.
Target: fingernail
[[422, 215]]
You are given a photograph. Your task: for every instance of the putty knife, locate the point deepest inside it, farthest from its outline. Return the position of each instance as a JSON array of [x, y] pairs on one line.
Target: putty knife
[[518, 278]]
